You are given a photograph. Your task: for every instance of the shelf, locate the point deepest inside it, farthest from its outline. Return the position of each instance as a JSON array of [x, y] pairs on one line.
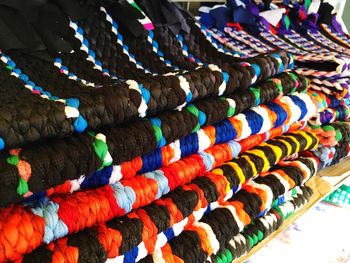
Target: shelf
[[324, 183]]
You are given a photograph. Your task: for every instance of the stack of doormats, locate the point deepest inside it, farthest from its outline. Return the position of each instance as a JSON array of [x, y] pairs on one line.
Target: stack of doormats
[[130, 131]]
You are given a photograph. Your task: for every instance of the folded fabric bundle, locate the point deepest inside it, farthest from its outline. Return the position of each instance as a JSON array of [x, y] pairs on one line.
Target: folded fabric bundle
[[305, 33], [303, 43], [154, 238], [67, 213], [298, 28], [151, 41], [127, 256], [257, 198], [321, 40], [113, 101], [231, 43], [258, 68], [322, 63], [59, 248], [263, 227], [141, 45], [329, 154], [330, 64], [332, 67], [196, 42], [323, 22], [340, 37], [46, 165], [330, 134], [122, 92], [325, 101], [335, 87], [308, 22], [234, 36], [197, 244], [258, 45], [208, 159], [336, 142], [339, 113], [250, 45], [181, 50]]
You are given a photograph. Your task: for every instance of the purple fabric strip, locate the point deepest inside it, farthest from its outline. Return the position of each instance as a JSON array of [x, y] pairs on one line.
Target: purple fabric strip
[[311, 22], [336, 25]]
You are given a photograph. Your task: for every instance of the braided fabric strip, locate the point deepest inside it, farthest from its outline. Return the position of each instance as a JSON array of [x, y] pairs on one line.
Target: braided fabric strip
[[114, 144], [64, 214], [202, 242], [249, 190]]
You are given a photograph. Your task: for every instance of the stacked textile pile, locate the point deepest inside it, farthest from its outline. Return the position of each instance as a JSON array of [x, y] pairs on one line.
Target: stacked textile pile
[[129, 134]]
